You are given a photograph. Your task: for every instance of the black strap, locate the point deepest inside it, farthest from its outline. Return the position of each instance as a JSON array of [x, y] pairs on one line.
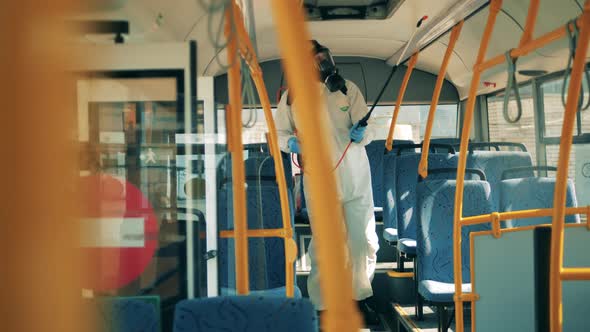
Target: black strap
[[573, 44]]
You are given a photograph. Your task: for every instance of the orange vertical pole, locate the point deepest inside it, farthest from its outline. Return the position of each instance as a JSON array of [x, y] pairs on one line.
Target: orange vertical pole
[[571, 108], [328, 227], [531, 19], [237, 153], [400, 99], [495, 7], [39, 223], [455, 33]]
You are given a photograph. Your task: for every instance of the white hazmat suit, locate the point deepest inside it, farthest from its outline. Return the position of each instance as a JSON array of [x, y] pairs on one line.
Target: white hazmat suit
[[354, 181]]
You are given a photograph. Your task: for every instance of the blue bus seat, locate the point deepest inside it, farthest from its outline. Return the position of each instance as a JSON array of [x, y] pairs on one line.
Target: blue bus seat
[[245, 314], [128, 314], [494, 163], [407, 179], [454, 141], [266, 256], [435, 235], [273, 292], [533, 193], [375, 152]]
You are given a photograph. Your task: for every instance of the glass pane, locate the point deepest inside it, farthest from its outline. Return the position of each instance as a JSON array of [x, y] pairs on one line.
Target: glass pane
[[522, 131], [554, 109], [140, 194], [411, 122], [579, 169]]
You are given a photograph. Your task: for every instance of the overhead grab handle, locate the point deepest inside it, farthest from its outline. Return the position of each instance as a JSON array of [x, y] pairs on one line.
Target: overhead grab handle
[[511, 85], [573, 33]]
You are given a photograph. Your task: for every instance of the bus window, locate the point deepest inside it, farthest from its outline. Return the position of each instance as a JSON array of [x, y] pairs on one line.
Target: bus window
[[579, 167], [254, 127], [411, 122], [523, 131], [553, 111]]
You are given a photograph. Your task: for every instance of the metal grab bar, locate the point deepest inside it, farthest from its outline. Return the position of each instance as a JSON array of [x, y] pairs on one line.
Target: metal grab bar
[[400, 98], [235, 146], [455, 33], [432, 147], [527, 168], [476, 171]]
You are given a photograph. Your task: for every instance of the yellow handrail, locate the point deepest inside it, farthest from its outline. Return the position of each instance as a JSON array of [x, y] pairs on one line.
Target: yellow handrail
[[328, 226], [235, 146], [523, 214], [575, 273], [455, 33], [249, 55], [400, 98], [559, 200], [275, 232], [495, 6]]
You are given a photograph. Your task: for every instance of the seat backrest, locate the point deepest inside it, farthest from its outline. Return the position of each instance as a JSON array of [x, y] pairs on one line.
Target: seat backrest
[[454, 141], [127, 314], [406, 180], [255, 166], [376, 152], [245, 314], [266, 257], [494, 163], [434, 241], [533, 193]]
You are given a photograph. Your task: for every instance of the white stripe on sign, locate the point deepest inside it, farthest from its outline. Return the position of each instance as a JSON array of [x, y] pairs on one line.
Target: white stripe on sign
[[112, 232]]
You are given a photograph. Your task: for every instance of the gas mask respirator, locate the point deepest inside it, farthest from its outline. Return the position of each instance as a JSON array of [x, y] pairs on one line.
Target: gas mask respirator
[[328, 71]]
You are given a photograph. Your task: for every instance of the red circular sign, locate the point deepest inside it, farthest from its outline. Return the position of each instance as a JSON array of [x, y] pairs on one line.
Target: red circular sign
[[119, 232]]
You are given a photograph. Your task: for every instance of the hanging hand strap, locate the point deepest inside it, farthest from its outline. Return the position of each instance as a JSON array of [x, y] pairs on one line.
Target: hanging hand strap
[[511, 85], [573, 44]]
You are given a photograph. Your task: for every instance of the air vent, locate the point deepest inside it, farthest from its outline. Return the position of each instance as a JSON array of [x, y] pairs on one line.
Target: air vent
[[323, 10]]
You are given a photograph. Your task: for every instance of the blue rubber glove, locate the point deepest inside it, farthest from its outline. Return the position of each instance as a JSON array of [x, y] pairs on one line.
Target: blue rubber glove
[[293, 144], [357, 133]]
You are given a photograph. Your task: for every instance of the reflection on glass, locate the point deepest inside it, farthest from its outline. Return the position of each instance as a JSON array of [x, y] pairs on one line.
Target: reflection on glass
[[128, 130]]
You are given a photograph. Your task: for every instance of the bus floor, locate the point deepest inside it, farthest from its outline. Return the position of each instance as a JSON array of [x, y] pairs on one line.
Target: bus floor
[[406, 320]]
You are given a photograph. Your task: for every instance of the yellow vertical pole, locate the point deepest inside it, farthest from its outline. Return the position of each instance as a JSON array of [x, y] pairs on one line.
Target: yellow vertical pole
[[571, 108], [400, 99], [328, 225], [237, 153], [39, 227], [455, 33], [495, 7]]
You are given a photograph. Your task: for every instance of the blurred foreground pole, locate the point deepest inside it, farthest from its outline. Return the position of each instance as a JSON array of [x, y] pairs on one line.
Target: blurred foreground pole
[[39, 268]]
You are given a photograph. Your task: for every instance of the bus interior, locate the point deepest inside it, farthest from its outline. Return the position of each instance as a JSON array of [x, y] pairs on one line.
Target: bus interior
[[194, 217]]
